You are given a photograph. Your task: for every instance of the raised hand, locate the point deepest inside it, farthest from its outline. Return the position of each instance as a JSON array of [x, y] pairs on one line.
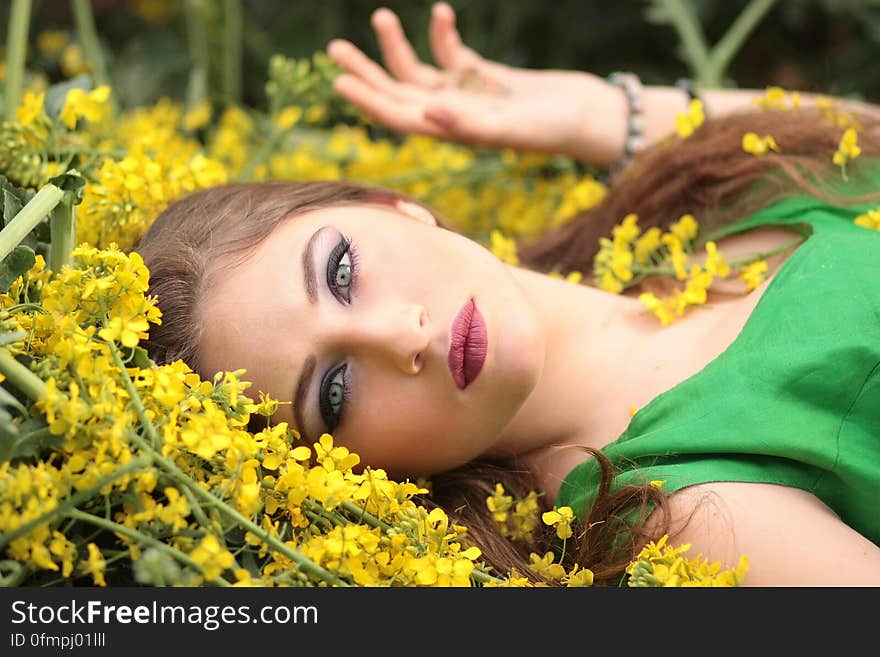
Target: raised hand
[[469, 99]]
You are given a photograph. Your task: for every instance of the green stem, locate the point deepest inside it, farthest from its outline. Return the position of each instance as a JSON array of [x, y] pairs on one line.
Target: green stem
[[306, 564], [641, 273], [16, 52], [144, 539], [727, 47], [199, 52], [693, 41], [232, 51], [74, 500], [62, 223], [88, 38], [28, 217], [21, 377], [365, 517], [483, 577]]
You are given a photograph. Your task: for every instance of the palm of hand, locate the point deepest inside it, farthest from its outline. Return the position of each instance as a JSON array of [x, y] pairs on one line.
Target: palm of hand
[[468, 99]]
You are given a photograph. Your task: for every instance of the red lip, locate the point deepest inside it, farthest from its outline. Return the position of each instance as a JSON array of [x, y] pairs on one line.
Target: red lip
[[467, 345]]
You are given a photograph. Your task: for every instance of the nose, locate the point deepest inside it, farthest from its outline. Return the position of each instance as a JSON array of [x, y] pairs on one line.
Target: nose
[[400, 332]]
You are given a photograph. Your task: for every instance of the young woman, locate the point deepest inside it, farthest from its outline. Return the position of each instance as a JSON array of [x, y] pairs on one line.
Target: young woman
[[759, 413]]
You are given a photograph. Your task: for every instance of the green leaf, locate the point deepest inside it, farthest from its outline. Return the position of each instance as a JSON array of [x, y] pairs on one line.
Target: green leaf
[[141, 359], [57, 94], [20, 260], [25, 439], [72, 184], [14, 199]]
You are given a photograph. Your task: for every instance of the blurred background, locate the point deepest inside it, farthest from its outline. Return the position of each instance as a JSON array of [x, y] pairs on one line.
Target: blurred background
[[830, 46]]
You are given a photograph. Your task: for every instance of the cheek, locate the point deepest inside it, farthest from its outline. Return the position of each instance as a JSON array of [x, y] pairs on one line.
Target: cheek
[[412, 432]]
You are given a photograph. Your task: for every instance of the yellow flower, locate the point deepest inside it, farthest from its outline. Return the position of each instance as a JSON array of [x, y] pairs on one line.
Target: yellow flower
[[871, 219], [127, 331], [91, 106], [626, 231], [198, 117], [316, 113], [72, 61], [50, 42], [848, 148], [95, 565], [647, 245], [662, 308], [288, 117], [503, 247], [561, 518], [31, 109], [579, 577], [499, 504], [774, 99], [752, 143], [212, 557], [685, 228], [753, 274], [546, 566], [716, 263], [572, 276], [686, 123]]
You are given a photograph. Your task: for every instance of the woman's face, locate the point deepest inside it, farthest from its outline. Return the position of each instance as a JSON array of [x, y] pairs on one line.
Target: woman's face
[[348, 312]]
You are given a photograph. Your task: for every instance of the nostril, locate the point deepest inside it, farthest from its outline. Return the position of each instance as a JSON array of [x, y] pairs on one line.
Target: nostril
[[417, 362], [423, 317]]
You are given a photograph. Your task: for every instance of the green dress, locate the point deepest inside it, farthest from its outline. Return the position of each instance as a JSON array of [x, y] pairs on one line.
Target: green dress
[[794, 400]]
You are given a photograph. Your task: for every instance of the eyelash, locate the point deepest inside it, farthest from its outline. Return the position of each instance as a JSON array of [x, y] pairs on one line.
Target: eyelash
[[343, 248], [331, 419]]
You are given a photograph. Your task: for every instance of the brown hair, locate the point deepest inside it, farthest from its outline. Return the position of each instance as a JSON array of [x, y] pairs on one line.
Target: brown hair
[[708, 175], [711, 176]]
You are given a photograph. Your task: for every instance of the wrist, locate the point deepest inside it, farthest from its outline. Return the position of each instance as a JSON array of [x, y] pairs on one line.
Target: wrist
[[603, 125], [631, 86]]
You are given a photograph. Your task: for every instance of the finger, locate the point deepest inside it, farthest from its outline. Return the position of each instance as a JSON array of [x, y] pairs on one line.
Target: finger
[[350, 58], [385, 110], [449, 52], [398, 54]]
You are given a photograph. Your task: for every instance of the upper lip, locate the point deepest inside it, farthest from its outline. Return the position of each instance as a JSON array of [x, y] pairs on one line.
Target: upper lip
[[467, 344]]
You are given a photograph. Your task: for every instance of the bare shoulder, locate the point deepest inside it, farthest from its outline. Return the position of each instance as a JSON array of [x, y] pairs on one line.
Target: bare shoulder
[[790, 536]]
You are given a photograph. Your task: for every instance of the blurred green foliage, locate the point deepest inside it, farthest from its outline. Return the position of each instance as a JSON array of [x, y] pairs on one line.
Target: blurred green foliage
[[819, 45]]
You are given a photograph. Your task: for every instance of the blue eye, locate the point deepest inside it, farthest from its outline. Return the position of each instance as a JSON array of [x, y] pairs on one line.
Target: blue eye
[[342, 270], [333, 395]]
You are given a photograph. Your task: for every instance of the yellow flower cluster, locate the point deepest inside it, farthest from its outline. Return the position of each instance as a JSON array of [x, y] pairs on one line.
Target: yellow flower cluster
[[662, 565], [630, 256], [516, 518], [689, 121], [848, 148]]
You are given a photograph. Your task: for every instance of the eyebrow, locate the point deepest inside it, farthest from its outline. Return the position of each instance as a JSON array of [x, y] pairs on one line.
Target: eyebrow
[[305, 374]]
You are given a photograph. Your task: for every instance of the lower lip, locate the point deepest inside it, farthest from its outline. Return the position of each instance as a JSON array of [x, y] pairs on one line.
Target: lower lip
[[468, 345]]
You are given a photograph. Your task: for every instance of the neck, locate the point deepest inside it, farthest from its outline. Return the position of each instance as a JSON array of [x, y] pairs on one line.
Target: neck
[[595, 342]]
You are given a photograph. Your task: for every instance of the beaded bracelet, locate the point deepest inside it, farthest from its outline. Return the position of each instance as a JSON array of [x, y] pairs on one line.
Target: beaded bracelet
[[631, 86]]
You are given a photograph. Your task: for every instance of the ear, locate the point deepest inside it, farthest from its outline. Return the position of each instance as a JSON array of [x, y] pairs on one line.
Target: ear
[[416, 211]]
